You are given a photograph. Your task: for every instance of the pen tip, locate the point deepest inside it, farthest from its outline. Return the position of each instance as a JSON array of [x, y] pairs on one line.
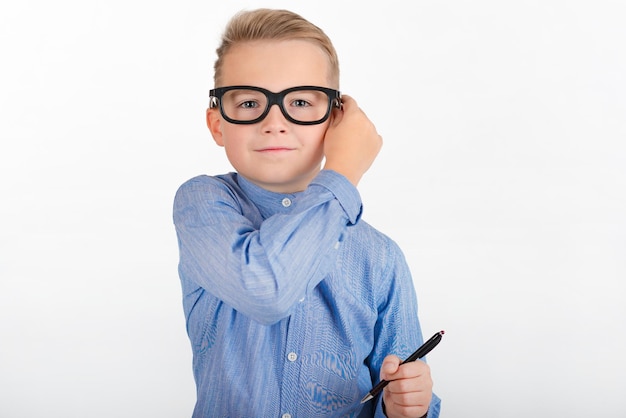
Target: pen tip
[[442, 332], [367, 398]]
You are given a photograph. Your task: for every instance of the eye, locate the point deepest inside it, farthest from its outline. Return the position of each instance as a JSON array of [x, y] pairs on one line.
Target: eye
[[244, 99], [300, 103], [305, 99], [249, 104]]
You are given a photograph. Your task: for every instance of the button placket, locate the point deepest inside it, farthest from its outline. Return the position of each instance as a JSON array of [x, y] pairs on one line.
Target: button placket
[[290, 398]]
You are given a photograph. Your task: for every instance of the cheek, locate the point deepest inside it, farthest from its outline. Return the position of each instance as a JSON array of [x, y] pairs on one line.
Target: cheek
[[232, 146], [233, 136], [316, 136], [236, 156], [236, 142]]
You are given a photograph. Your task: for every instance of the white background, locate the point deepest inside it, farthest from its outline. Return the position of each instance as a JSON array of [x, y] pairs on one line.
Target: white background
[[502, 176]]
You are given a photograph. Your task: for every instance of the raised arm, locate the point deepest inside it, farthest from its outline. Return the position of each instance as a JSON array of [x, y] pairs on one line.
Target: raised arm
[[261, 267]]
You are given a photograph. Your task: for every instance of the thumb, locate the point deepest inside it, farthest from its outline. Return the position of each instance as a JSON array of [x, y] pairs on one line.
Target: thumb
[[390, 366]]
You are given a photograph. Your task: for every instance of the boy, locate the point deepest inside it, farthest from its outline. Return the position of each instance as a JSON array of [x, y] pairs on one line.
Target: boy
[[293, 303]]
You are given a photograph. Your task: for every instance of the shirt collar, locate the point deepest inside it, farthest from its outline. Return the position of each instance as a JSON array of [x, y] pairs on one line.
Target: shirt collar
[[269, 203]]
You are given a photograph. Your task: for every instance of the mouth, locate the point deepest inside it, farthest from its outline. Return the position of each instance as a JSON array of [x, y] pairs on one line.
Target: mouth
[[275, 149]]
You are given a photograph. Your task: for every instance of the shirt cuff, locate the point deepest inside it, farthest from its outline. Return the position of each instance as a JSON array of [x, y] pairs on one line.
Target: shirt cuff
[[346, 194]]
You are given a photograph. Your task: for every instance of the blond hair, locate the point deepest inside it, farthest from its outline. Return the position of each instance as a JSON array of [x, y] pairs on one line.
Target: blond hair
[[274, 25]]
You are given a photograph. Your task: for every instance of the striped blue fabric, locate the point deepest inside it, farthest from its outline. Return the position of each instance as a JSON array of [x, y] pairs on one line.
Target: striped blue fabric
[[291, 300]]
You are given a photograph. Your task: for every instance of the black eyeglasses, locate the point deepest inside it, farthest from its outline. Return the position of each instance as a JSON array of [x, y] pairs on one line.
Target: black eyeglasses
[[303, 105]]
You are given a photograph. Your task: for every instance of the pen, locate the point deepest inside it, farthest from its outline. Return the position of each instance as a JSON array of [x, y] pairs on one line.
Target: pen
[[419, 353]]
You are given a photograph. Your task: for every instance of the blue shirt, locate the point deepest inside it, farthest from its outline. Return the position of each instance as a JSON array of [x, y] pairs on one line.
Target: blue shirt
[[291, 300]]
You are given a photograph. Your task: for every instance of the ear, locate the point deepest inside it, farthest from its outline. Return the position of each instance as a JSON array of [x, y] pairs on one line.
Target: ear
[[213, 122]]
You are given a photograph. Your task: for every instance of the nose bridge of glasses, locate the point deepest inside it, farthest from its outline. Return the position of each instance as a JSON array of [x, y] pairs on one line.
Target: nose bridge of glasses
[[278, 100], [274, 99]]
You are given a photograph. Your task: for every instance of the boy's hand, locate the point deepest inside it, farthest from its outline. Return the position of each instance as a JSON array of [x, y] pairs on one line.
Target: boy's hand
[[410, 389], [351, 143]]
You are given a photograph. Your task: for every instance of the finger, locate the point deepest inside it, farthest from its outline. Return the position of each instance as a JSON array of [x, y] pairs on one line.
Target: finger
[[405, 397], [348, 103], [411, 370], [347, 99], [410, 404], [410, 385]]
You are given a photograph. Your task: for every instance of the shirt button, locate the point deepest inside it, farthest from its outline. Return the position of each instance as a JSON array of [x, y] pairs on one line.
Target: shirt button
[[286, 416], [292, 356], [286, 202]]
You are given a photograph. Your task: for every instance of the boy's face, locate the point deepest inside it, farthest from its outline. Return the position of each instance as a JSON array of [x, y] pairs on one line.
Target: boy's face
[[274, 153]]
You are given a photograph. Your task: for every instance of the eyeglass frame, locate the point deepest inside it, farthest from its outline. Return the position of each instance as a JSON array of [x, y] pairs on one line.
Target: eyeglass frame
[[216, 94]]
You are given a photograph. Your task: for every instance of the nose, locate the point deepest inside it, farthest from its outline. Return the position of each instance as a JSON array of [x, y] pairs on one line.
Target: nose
[[274, 121]]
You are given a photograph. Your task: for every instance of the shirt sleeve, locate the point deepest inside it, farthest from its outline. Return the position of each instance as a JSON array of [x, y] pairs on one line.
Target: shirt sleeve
[[397, 330], [261, 271]]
